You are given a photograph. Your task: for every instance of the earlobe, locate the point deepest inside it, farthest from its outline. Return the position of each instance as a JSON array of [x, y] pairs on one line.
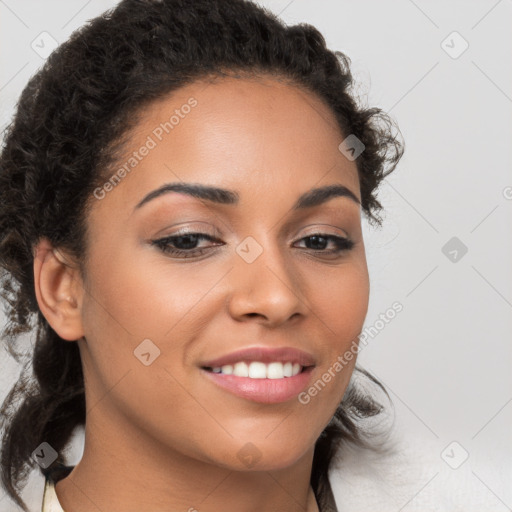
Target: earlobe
[[58, 290]]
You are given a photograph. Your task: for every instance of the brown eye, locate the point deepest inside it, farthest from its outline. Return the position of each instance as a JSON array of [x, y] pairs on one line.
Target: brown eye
[[183, 245], [319, 241]]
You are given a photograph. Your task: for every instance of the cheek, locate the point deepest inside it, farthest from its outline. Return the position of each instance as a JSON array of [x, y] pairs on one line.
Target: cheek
[[145, 299], [128, 303], [341, 301], [343, 298], [138, 299]]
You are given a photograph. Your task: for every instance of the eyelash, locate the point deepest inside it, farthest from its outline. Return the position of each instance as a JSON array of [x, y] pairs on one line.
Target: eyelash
[[342, 244]]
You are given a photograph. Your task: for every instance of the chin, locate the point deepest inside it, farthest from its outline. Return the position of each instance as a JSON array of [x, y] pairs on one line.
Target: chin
[[265, 456]]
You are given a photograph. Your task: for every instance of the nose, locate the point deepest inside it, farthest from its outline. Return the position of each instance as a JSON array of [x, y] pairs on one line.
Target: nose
[[268, 288]]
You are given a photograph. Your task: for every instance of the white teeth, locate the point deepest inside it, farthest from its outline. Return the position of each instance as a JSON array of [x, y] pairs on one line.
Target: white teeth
[[227, 369], [241, 370], [275, 370], [288, 369], [259, 370]]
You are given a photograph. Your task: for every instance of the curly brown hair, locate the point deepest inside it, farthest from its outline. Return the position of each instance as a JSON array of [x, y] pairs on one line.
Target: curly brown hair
[[67, 129]]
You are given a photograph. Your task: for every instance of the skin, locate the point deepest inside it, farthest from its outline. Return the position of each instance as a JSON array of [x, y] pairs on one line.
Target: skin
[[164, 437]]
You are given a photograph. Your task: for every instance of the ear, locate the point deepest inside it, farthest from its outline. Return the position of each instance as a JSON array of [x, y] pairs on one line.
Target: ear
[[59, 290]]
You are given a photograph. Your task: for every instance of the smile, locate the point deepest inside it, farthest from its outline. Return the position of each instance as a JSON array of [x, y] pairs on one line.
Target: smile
[[267, 390], [259, 370]]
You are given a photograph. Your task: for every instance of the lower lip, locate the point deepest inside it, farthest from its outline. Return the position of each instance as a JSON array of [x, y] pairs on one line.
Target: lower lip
[[266, 391]]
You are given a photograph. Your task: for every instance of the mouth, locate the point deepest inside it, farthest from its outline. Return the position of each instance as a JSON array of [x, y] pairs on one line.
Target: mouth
[[267, 383], [262, 374], [259, 369]]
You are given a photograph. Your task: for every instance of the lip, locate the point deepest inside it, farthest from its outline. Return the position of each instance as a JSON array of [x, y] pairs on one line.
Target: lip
[[265, 355], [266, 391]]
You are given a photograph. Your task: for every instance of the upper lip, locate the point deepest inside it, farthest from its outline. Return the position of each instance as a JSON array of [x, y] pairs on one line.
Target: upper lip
[[265, 355]]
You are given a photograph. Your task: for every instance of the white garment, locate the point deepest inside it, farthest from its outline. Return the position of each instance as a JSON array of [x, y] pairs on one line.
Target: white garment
[[50, 500]]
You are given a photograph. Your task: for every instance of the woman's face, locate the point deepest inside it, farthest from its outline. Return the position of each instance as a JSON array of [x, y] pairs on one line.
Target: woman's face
[[152, 318]]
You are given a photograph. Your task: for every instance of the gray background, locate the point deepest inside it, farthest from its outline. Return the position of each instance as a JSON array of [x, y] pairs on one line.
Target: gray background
[[446, 358]]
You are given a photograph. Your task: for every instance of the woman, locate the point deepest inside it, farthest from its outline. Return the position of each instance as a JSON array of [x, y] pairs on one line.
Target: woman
[[181, 198]]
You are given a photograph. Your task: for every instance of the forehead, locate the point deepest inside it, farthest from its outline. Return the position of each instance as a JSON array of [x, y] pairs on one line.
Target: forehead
[[260, 136]]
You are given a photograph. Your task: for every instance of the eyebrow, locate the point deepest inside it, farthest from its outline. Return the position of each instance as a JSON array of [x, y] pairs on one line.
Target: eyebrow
[[313, 197]]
